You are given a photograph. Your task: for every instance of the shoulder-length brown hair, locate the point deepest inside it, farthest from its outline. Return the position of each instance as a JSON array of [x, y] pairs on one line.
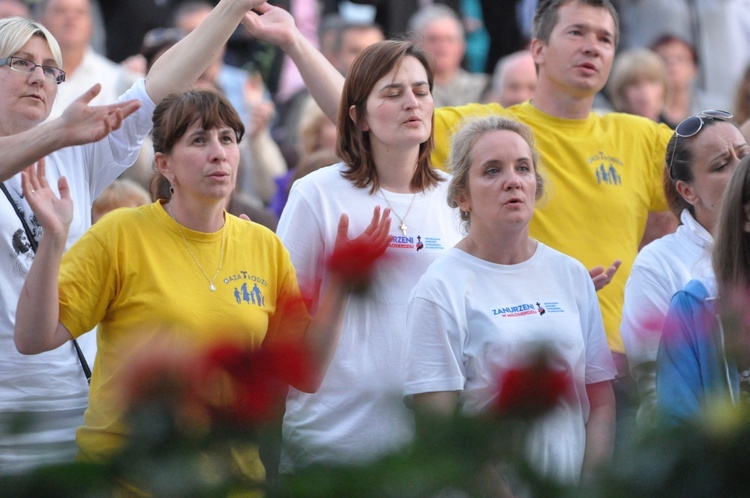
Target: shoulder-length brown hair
[[731, 254], [352, 143]]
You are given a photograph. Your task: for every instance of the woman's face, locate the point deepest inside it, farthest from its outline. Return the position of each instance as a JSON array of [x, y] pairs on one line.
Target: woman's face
[[501, 187], [399, 108], [717, 150], [203, 163], [26, 98], [678, 59], [645, 98]]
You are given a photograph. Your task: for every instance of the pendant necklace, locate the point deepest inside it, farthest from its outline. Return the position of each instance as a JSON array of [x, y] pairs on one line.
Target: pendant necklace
[[402, 219], [211, 286]]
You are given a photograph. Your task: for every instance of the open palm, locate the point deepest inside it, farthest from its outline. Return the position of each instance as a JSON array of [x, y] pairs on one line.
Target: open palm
[[54, 214]]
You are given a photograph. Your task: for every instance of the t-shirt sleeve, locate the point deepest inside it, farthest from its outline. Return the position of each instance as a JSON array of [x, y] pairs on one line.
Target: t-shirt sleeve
[[662, 134], [434, 351], [600, 366], [290, 318], [88, 282], [447, 120], [301, 232]]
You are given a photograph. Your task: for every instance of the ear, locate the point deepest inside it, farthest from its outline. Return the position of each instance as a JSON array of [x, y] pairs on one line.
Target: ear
[[537, 49], [687, 192], [353, 117], [164, 166], [464, 202]]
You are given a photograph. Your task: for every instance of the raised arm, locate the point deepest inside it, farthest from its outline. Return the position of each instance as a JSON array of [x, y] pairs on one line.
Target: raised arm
[[275, 25], [183, 63], [79, 124], [38, 327]]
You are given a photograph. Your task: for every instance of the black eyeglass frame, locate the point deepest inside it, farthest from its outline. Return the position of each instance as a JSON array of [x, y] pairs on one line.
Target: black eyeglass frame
[[8, 61], [690, 126]]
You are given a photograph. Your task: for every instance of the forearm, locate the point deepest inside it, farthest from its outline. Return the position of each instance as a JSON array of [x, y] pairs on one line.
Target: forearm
[[267, 163], [38, 141], [322, 335], [37, 314], [600, 428], [321, 78], [183, 63]]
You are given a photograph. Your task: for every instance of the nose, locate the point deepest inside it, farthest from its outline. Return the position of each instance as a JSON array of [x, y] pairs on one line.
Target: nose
[[410, 100], [217, 151], [37, 76], [591, 44], [513, 181]]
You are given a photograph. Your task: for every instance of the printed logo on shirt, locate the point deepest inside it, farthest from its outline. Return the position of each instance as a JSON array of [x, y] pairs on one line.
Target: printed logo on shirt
[[527, 309], [247, 290], [416, 243], [606, 169]]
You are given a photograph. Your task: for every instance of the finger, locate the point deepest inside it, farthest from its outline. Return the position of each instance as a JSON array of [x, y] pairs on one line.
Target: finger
[[595, 271], [343, 229], [613, 269], [245, 217], [39, 178], [262, 8], [90, 94], [63, 187], [128, 108], [374, 222]]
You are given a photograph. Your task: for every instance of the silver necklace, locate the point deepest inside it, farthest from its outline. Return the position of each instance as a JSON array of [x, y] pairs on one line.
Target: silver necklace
[[402, 219], [211, 285]]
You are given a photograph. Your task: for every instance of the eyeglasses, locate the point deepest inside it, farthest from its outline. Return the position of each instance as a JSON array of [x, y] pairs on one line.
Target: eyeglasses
[[689, 127], [26, 66]]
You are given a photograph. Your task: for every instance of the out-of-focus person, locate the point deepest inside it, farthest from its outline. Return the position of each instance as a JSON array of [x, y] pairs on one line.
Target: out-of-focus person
[[120, 193], [439, 31], [638, 84], [13, 8], [742, 100], [514, 79]]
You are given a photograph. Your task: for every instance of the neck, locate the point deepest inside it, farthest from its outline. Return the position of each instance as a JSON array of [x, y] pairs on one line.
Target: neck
[[395, 168], [199, 218], [561, 104], [677, 106], [503, 247], [72, 59], [445, 77]]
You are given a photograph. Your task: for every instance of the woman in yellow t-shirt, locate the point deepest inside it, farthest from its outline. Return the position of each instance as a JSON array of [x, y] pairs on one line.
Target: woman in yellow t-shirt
[[181, 267]]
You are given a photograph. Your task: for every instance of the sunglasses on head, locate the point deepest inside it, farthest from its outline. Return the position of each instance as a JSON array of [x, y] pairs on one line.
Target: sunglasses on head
[[689, 127]]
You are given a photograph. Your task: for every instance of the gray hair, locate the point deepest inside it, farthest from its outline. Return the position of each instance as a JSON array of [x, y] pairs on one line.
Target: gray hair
[[432, 13]]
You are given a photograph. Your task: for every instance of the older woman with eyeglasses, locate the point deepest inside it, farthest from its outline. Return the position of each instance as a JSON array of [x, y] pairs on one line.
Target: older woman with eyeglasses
[[700, 158], [90, 146]]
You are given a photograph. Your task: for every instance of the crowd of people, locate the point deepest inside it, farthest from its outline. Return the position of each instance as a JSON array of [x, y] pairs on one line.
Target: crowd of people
[[519, 211]]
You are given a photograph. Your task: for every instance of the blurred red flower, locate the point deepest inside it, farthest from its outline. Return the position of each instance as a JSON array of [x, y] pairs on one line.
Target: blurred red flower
[[532, 389], [354, 262]]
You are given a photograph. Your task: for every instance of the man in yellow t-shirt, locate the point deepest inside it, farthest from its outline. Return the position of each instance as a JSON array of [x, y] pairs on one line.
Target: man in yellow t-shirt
[[603, 173]]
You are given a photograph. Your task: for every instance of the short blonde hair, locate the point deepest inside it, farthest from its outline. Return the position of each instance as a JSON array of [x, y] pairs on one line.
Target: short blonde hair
[[15, 32], [120, 193], [631, 66], [462, 145]]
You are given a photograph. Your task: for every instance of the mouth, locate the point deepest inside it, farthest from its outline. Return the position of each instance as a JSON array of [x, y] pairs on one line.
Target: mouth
[[35, 97], [514, 201], [218, 175], [588, 66], [413, 120]]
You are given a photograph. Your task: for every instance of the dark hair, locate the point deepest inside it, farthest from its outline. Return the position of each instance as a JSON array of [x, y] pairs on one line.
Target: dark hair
[[353, 144], [546, 16], [174, 115], [669, 38], [731, 253], [680, 152]]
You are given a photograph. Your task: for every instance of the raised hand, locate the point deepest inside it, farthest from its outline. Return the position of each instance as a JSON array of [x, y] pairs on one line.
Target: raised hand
[[271, 24], [602, 277], [353, 259], [54, 214], [84, 123]]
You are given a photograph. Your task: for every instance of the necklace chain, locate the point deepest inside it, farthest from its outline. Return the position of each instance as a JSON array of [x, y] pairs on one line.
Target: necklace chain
[[211, 286], [402, 219]]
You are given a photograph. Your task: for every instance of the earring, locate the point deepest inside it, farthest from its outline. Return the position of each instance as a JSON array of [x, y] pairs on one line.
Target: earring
[[171, 189]]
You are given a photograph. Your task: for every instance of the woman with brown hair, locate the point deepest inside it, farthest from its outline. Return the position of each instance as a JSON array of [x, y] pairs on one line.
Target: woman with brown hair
[[384, 141], [193, 272]]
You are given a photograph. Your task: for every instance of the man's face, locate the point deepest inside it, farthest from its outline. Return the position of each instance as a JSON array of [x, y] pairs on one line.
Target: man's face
[[70, 22], [443, 39], [518, 81], [353, 42], [578, 58]]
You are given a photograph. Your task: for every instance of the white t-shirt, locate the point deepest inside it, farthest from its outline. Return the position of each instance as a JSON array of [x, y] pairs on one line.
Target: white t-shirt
[[661, 269], [469, 318], [357, 414], [94, 68], [54, 381]]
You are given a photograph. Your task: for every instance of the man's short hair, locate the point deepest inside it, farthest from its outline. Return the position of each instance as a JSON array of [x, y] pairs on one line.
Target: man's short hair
[[546, 16], [432, 13]]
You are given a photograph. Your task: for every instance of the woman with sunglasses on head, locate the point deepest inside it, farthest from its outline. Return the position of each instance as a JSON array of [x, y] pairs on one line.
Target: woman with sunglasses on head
[[90, 146], [194, 276], [384, 141], [703, 362], [700, 159]]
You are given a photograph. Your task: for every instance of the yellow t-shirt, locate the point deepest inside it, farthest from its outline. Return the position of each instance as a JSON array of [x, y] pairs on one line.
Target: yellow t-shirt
[[603, 175], [132, 274]]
